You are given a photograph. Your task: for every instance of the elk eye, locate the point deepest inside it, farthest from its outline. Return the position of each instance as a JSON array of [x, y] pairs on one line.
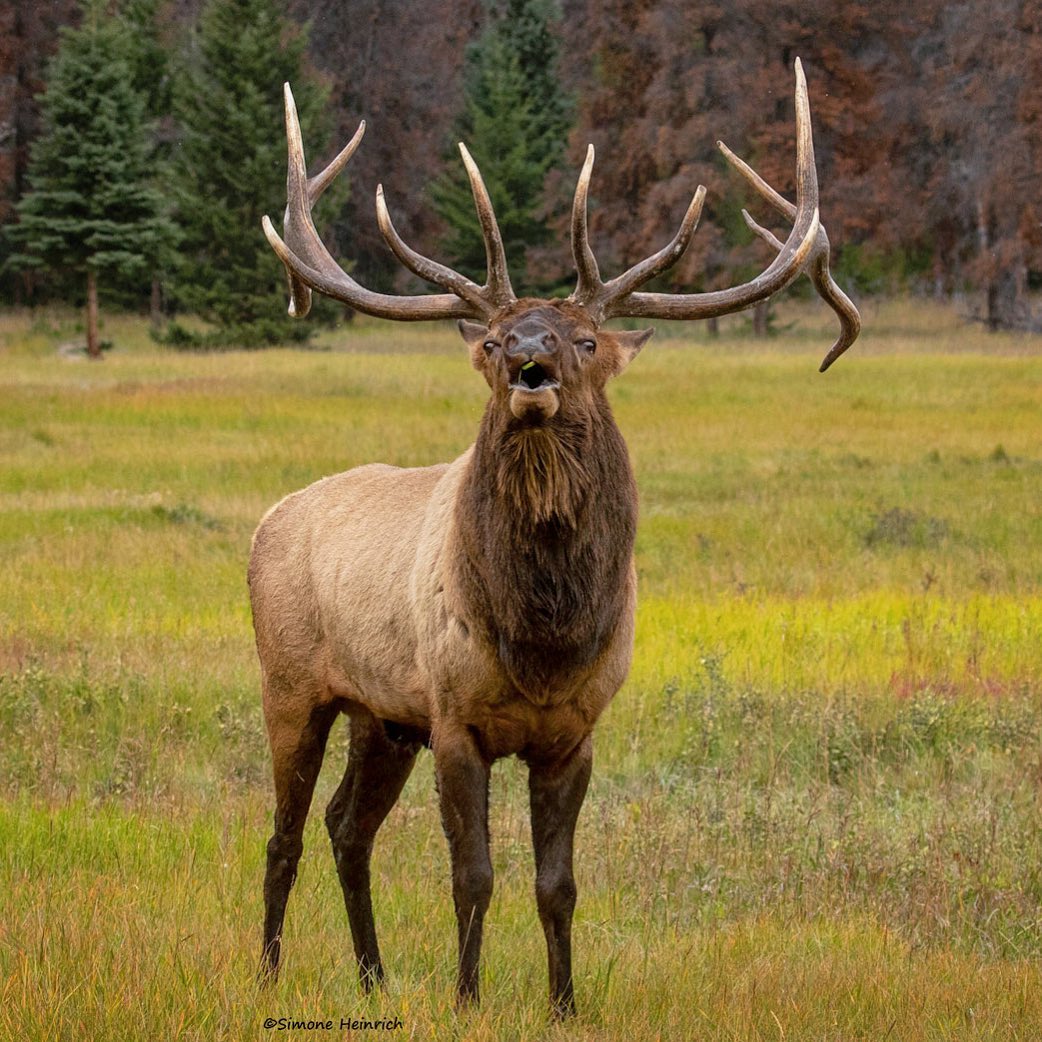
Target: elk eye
[[490, 346], [587, 346]]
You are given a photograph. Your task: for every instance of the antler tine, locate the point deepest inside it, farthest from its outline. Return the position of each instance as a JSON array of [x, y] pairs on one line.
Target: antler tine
[[426, 268], [779, 202], [321, 181], [589, 282], [768, 236], [841, 304], [590, 290], [670, 254], [806, 170], [819, 274], [296, 189], [497, 283], [309, 264]]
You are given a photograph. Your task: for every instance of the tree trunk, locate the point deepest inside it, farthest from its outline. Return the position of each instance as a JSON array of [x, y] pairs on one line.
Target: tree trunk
[[93, 345], [155, 303], [938, 276], [1006, 281], [1005, 296], [713, 326], [760, 312]]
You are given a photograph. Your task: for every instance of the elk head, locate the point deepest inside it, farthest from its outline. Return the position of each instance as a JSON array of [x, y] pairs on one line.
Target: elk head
[[536, 353]]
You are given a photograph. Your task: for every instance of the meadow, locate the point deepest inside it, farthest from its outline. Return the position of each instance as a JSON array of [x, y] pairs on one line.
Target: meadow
[[815, 807]]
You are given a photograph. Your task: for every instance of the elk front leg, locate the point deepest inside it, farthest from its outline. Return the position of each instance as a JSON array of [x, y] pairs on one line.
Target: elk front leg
[[557, 791], [463, 777]]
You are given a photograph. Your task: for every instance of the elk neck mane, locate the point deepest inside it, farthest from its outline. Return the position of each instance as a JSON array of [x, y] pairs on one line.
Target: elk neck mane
[[547, 519], [541, 475]]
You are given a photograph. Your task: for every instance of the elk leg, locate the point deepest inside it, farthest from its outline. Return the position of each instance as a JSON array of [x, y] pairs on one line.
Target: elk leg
[[298, 742], [556, 793], [377, 769], [462, 774]]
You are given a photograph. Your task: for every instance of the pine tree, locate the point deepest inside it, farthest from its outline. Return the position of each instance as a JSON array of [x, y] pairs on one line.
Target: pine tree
[[148, 57], [531, 28], [230, 169], [91, 209], [150, 62], [515, 123]]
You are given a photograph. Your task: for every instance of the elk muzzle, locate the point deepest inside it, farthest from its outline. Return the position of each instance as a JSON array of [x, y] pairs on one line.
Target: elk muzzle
[[533, 369]]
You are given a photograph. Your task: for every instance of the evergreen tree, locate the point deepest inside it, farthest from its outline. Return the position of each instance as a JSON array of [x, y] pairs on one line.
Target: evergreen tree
[[91, 209], [148, 57], [230, 169], [531, 29], [150, 64], [515, 123]]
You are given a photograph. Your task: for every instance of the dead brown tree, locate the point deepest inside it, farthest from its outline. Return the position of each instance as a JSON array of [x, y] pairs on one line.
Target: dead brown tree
[[484, 606]]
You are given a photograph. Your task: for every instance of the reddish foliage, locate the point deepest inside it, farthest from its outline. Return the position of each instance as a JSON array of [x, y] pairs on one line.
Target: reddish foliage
[[28, 38], [928, 123]]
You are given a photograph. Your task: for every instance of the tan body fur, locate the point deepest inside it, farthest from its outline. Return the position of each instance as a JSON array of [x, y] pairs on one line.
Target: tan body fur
[[356, 600]]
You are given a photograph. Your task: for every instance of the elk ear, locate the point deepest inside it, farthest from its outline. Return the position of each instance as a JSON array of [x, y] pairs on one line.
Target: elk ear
[[474, 336], [630, 342]]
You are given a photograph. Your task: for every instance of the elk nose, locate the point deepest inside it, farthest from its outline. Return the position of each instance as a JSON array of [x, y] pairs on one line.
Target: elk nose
[[531, 345]]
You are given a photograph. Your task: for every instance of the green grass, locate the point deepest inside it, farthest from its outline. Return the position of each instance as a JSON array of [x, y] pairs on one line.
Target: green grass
[[814, 811]]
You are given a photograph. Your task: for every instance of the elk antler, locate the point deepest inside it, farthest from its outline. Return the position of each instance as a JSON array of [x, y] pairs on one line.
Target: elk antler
[[806, 251], [310, 266]]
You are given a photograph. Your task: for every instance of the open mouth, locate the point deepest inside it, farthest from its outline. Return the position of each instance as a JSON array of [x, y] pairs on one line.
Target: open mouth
[[533, 377]]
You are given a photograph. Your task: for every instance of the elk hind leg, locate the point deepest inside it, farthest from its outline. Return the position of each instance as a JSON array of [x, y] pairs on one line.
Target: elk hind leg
[[377, 769], [297, 729]]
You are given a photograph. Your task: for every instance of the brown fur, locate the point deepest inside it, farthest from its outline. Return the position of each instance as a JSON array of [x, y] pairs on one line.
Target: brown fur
[[487, 603], [540, 474], [547, 521]]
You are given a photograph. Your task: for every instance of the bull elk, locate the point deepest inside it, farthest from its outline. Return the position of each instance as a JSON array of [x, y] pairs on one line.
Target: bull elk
[[483, 607]]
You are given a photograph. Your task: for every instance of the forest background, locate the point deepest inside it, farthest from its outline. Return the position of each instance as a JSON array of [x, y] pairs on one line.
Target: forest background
[[928, 129]]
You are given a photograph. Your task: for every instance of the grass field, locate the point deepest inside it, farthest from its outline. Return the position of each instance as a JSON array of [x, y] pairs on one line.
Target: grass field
[[815, 809]]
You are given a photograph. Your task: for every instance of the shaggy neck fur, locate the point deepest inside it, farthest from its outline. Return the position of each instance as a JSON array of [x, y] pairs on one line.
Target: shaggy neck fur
[[547, 518], [540, 473]]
